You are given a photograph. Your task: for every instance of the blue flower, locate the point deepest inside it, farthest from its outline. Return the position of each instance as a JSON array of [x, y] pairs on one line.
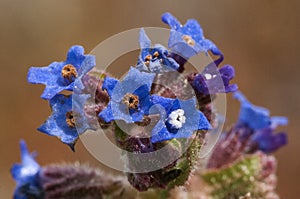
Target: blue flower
[[254, 117], [179, 121], [188, 40], [66, 123], [154, 60], [257, 119], [213, 80], [59, 76], [129, 98], [26, 175]]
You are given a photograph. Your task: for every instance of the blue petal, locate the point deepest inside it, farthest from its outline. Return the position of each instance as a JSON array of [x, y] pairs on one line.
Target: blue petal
[[162, 135], [170, 64], [25, 172], [203, 122], [56, 124], [51, 76], [40, 75], [231, 88], [145, 104], [140, 78], [166, 103], [253, 116], [137, 116], [132, 81], [142, 92], [278, 121], [116, 111], [109, 85], [78, 104], [87, 64], [144, 39], [227, 73], [215, 50], [106, 114], [26, 175], [84, 67], [171, 21], [50, 92], [75, 55], [176, 105]]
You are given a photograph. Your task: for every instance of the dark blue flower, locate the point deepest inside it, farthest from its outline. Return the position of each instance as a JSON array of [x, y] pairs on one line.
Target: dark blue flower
[[129, 98], [213, 80], [188, 40], [267, 141], [154, 60], [59, 76], [26, 175], [66, 123], [179, 121]]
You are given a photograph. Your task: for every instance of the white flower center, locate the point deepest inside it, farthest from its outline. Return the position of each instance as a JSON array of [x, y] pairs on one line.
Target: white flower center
[[177, 118]]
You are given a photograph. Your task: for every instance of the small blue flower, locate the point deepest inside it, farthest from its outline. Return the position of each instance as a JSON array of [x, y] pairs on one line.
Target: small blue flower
[[213, 80], [66, 123], [129, 98], [26, 175], [254, 117], [188, 40], [154, 60], [257, 119], [59, 76], [179, 121]]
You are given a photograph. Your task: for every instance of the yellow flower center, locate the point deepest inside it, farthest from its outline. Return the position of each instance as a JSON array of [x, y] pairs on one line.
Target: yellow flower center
[[188, 40], [131, 101], [70, 119], [69, 71]]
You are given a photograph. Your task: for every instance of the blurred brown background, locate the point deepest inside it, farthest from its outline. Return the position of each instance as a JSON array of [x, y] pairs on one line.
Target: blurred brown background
[[260, 38]]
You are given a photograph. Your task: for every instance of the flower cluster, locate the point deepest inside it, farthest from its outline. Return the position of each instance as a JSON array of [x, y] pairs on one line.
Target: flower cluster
[[166, 107], [58, 77], [130, 99]]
